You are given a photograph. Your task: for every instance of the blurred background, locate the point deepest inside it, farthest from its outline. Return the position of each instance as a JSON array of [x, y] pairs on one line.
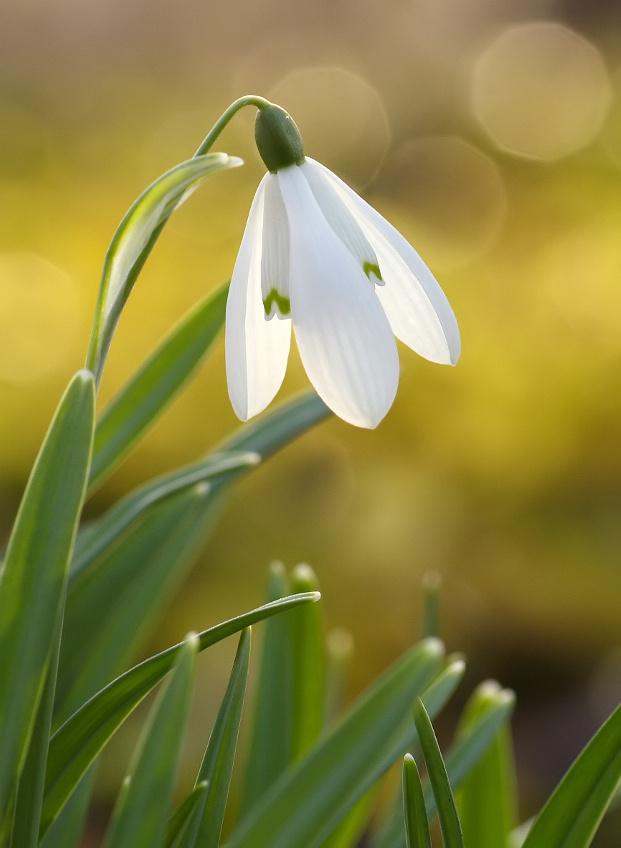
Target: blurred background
[[490, 134]]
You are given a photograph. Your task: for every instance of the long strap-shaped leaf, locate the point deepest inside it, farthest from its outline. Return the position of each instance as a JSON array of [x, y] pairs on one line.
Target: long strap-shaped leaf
[[217, 765], [302, 808], [134, 239], [573, 812], [438, 777], [76, 744], [417, 833], [156, 383], [35, 569], [141, 812]]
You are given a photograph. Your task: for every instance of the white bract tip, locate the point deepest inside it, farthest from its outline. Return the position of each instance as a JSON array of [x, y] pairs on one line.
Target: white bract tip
[[317, 257]]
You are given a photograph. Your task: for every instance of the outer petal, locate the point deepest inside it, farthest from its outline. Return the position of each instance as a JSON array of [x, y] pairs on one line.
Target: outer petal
[[417, 308], [345, 341], [256, 349]]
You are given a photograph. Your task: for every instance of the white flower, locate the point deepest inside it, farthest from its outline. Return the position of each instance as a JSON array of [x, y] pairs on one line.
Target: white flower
[[318, 258]]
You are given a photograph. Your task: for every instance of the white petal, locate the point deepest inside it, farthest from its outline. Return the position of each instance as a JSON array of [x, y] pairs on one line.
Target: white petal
[[256, 349], [275, 256], [417, 308], [338, 215], [345, 341]]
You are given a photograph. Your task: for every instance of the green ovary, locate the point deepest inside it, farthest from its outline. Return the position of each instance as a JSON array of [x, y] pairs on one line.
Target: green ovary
[[283, 304]]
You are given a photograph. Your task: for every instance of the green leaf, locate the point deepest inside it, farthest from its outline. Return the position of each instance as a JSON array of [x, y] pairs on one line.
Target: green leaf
[[574, 810], [417, 833], [141, 812], [269, 749], [217, 765], [463, 755], [134, 239], [155, 384], [303, 807], [33, 581], [93, 540], [339, 653], [349, 831], [76, 744], [183, 817], [308, 669], [486, 801], [438, 777], [27, 813], [67, 828], [111, 605]]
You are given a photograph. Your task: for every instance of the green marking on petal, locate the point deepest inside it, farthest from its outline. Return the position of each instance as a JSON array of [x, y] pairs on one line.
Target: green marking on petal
[[372, 268], [283, 304]]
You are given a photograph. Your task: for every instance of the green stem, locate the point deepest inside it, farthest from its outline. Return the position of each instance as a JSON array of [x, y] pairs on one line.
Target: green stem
[[247, 100]]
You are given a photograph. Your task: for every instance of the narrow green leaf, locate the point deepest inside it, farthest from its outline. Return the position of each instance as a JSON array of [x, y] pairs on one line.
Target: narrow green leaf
[[349, 831], [417, 833], [269, 748], [308, 668], [574, 810], [217, 765], [140, 815], [93, 540], [487, 801], [33, 581], [76, 744], [155, 384], [111, 605], [462, 757], [184, 816], [438, 777], [303, 807], [27, 813], [134, 239]]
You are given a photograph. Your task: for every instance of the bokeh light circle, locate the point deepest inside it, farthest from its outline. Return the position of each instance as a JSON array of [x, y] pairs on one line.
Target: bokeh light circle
[[342, 119], [541, 91], [39, 318], [452, 193]]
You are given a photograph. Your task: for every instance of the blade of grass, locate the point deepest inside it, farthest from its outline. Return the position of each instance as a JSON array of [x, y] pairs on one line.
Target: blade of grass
[[417, 834], [217, 765], [33, 581], [155, 384], [486, 800], [141, 812], [134, 240], [438, 777], [574, 810], [269, 747], [78, 741], [303, 807]]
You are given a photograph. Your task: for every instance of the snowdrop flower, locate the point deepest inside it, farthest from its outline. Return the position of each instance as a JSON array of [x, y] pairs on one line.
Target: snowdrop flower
[[318, 258]]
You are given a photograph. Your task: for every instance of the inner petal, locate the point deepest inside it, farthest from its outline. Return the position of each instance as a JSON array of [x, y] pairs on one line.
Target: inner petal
[[275, 253], [342, 221]]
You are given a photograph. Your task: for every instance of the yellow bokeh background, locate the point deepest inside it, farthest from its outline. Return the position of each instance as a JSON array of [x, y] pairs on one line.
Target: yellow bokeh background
[[490, 134]]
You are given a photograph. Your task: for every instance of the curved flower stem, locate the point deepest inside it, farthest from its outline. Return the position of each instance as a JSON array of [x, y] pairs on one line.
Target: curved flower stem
[[247, 100]]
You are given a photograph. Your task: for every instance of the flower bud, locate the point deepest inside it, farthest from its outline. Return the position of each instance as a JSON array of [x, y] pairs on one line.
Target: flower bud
[[278, 139]]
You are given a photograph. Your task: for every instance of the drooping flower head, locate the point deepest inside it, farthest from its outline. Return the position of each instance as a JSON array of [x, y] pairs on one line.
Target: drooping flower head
[[318, 258]]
